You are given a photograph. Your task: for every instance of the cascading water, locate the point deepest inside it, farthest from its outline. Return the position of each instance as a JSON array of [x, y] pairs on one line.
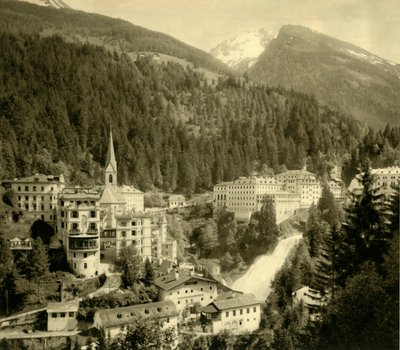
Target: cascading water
[[258, 277]]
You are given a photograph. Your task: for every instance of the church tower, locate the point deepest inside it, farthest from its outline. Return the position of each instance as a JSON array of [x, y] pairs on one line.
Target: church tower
[[111, 164]]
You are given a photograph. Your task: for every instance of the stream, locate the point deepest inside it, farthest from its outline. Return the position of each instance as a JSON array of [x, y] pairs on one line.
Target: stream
[[258, 277]]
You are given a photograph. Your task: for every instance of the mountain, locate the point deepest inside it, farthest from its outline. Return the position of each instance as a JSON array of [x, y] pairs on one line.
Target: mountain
[[113, 34], [339, 74], [242, 51], [51, 3]]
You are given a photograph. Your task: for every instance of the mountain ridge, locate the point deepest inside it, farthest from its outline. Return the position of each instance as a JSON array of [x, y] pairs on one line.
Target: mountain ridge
[[111, 33], [242, 51], [338, 73]]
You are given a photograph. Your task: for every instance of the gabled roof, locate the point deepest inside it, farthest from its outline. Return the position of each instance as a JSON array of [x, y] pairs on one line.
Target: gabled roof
[[170, 281], [40, 178], [176, 197], [65, 306], [231, 301], [111, 195], [123, 315]]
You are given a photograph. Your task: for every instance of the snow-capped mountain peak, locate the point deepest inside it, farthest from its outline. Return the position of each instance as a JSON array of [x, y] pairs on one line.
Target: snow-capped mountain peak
[[51, 3], [242, 51]]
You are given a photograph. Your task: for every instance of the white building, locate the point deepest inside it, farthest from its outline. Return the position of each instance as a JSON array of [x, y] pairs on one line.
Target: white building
[[303, 183], [38, 195], [62, 316], [247, 195], [79, 225], [176, 201], [116, 321], [385, 178], [186, 288], [236, 313]]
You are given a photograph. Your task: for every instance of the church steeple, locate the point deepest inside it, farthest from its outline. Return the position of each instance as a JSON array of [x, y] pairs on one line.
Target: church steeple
[[111, 163]]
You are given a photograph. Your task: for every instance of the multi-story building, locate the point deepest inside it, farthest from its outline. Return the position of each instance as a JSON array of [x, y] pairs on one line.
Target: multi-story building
[[124, 222], [385, 178], [116, 321], [185, 288], [286, 204], [236, 313], [247, 195], [303, 183], [79, 225], [38, 195]]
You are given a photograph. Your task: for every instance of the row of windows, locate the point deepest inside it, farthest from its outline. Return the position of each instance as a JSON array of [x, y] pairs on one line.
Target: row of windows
[[34, 188], [63, 314], [192, 300], [34, 207], [240, 311], [191, 291], [35, 198], [133, 232], [75, 214], [133, 223]]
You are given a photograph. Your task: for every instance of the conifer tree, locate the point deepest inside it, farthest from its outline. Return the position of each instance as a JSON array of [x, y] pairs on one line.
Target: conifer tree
[[149, 274], [38, 260], [366, 233]]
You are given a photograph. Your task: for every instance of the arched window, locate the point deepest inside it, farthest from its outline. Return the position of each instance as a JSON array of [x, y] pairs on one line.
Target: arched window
[[110, 179]]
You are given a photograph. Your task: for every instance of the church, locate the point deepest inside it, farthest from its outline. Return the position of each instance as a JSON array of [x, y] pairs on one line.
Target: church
[[95, 223]]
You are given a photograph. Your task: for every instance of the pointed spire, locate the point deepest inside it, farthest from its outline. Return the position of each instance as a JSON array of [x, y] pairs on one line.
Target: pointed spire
[[110, 154]]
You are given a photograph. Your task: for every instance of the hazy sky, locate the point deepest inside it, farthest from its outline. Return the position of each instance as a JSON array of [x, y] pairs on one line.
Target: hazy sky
[[371, 24]]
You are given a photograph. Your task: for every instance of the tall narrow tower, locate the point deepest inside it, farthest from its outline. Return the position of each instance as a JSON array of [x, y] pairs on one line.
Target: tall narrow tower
[[111, 163]]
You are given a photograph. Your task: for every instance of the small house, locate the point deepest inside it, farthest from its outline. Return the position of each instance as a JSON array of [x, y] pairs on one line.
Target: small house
[[176, 201], [116, 321], [62, 316], [237, 313]]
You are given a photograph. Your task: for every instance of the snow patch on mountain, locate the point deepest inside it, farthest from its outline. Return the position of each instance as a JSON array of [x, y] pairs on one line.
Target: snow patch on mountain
[[51, 3], [242, 51], [370, 58]]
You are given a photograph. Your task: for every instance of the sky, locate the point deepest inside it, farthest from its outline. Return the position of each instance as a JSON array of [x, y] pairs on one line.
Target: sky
[[373, 25]]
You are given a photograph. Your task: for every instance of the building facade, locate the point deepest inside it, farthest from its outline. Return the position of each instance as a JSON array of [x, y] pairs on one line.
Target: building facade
[[303, 183], [247, 195], [235, 313], [186, 288], [385, 178], [62, 316], [116, 321], [38, 195], [80, 225]]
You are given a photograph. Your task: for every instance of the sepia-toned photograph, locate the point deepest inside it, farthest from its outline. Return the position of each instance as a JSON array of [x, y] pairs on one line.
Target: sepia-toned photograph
[[199, 174]]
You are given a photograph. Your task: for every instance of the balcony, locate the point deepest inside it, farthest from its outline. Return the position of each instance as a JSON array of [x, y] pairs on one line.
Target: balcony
[[92, 231], [74, 231], [83, 244]]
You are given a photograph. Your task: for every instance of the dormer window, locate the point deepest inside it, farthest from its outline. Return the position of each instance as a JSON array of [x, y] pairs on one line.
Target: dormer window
[[146, 311], [110, 179], [119, 316]]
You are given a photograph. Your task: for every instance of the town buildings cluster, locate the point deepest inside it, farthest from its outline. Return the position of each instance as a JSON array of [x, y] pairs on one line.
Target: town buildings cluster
[[289, 191], [94, 223]]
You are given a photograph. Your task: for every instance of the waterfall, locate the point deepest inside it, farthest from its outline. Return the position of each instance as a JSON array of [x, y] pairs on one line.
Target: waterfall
[[258, 277]]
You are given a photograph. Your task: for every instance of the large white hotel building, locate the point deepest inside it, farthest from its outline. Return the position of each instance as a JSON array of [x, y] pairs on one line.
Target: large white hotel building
[[289, 191]]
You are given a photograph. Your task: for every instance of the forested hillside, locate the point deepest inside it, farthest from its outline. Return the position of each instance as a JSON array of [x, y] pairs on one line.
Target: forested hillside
[[339, 74], [172, 129], [113, 34]]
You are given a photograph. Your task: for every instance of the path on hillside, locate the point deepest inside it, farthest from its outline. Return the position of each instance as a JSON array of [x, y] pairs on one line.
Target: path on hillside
[[258, 277]]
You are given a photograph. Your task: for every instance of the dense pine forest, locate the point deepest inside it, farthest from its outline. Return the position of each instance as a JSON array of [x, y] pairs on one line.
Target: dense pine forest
[[172, 128], [114, 34]]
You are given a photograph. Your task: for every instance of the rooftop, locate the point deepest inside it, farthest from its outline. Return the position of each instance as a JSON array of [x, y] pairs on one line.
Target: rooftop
[[40, 178], [123, 315], [173, 280], [65, 306], [231, 300]]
